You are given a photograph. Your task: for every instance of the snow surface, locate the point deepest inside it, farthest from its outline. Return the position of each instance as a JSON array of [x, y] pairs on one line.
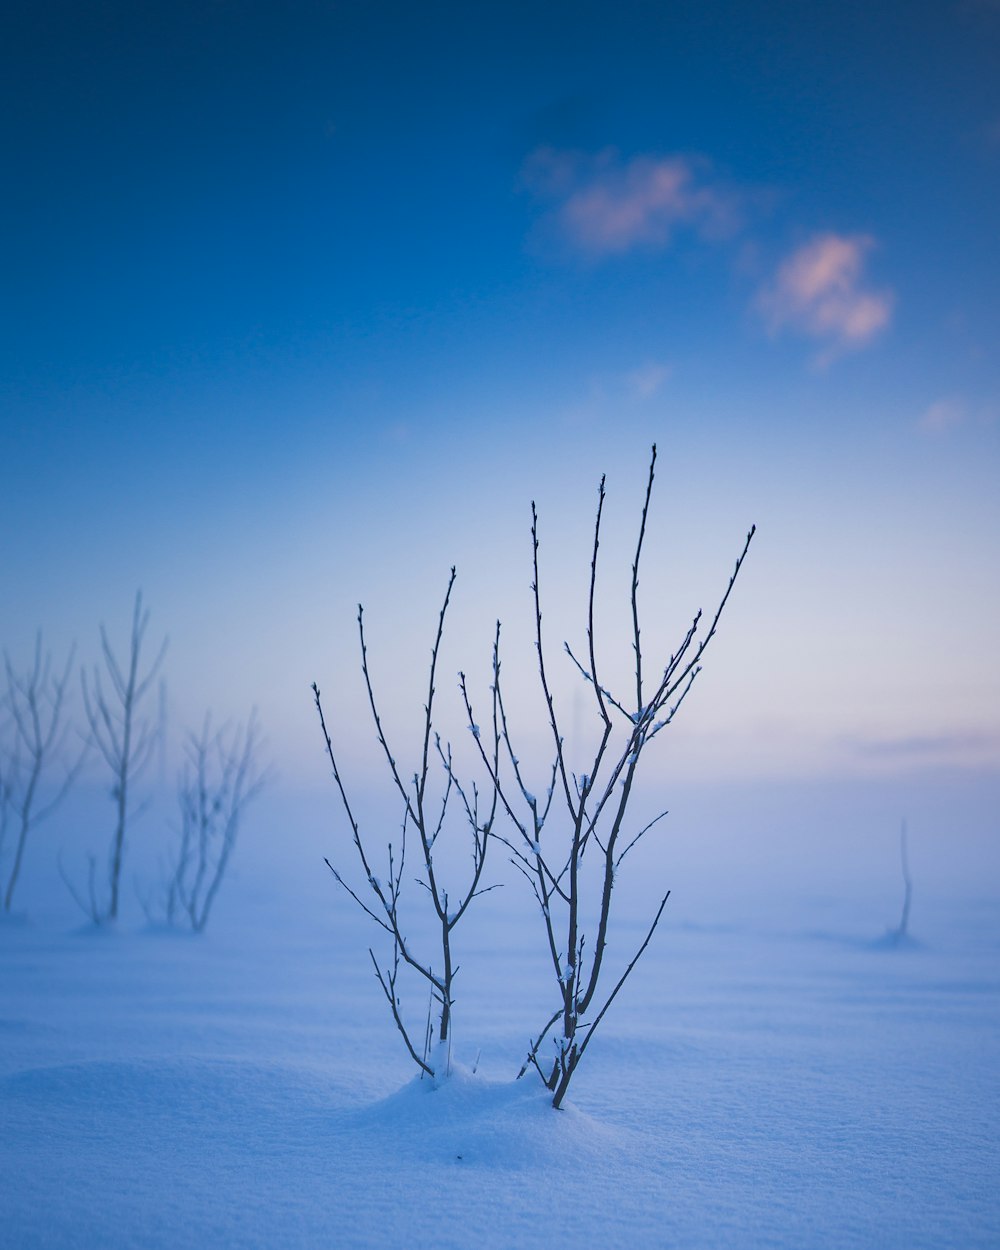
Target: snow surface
[[775, 1078]]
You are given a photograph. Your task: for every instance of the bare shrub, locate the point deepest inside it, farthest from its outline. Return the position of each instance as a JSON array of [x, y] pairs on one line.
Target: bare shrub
[[37, 742], [570, 843], [126, 739], [900, 934], [424, 817], [221, 776]]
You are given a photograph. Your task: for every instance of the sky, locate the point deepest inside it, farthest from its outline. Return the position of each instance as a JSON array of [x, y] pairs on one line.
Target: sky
[[305, 303]]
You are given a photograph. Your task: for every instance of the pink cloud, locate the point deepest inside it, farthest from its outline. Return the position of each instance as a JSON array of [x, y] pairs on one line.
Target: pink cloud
[[951, 411], [645, 381], [943, 415], [819, 292], [606, 206]]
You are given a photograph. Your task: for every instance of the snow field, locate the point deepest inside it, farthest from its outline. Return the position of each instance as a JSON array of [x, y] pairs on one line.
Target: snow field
[[760, 1084]]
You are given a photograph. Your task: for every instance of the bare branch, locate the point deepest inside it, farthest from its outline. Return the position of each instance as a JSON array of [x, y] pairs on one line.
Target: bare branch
[[638, 837], [531, 1059], [625, 975], [388, 985], [635, 584], [360, 902]]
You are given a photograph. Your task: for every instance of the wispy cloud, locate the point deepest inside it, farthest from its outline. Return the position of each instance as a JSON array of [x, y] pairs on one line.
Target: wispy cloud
[[646, 380], [819, 291], [607, 396], [969, 747], [943, 415], [604, 205], [952, 411]]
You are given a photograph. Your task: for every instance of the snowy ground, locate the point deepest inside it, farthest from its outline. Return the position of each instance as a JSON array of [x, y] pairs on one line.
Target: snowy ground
[[771, 1078]]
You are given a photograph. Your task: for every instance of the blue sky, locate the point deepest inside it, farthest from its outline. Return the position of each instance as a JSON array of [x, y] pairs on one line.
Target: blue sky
[[306, 302]]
